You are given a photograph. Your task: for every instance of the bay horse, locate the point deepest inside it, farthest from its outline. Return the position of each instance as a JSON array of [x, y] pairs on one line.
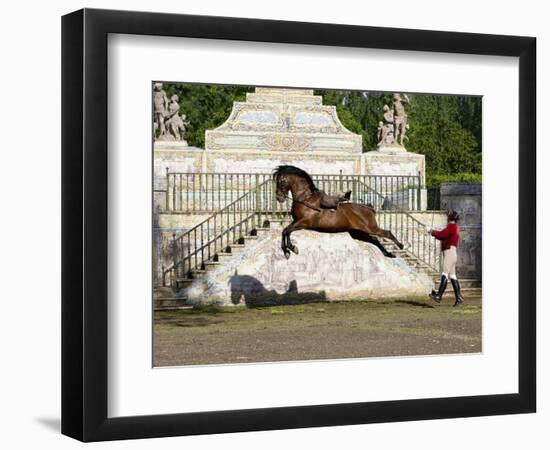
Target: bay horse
[[307, 213]]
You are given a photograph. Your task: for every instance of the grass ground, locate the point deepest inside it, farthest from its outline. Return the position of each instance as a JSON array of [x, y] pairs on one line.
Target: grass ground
[[325, 330]]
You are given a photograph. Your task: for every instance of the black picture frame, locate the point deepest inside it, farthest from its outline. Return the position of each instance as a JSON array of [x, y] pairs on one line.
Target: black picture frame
[[84, 224]]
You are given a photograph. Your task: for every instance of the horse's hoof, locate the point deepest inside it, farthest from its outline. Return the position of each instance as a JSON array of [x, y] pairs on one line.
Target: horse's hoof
[[401, 246], [390, 255], [287, 254], [295, 249]]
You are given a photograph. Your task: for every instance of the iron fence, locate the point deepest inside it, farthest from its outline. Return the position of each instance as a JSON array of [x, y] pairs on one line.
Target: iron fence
[[210, 192]]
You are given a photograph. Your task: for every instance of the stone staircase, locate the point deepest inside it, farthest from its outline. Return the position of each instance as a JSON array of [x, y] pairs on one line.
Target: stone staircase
[[166, 299]]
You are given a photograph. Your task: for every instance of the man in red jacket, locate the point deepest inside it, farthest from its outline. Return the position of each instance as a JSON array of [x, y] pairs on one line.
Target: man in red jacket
[[449, 238]]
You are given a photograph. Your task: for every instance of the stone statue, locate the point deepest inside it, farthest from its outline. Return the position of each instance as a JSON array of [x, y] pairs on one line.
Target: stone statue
[[160, 106], [400, 117], [166, 118], [386, 128], [174, 123]]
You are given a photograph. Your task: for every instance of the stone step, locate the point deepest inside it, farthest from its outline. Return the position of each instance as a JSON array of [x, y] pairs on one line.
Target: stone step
[[471, 290], [236, 248], [223, 256], [198, 273], [212, 265], [418, 264], [280, 222], [170, 303], [184, 282], [163, 292], [262, 231], [409, 258]]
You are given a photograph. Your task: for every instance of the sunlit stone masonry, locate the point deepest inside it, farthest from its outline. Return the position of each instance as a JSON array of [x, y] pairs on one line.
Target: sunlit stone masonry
[[291, 126], [283, 126]]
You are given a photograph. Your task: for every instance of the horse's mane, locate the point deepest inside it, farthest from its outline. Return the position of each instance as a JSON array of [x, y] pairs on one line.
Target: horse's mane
[[292, 170]]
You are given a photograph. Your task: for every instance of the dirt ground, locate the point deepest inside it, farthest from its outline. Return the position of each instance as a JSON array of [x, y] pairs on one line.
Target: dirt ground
[[325, 330]]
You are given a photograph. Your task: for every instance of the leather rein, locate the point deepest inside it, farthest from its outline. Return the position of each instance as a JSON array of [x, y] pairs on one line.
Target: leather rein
[[304, 203]]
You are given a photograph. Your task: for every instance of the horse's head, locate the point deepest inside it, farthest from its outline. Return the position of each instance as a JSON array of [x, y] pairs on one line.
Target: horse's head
[[282, 186], [290, 178]]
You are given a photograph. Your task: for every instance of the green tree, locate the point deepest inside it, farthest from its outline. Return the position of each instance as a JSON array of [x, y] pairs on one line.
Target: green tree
[[436, 131], [444, 128]]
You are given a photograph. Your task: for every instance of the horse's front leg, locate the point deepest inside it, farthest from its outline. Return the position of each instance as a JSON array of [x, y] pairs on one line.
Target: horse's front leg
[[294, 226], [289, 243], [283, 245], [286, 245]]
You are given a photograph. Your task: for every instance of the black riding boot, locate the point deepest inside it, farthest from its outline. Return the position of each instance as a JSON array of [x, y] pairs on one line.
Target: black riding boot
[[437, 296], [458, 295]]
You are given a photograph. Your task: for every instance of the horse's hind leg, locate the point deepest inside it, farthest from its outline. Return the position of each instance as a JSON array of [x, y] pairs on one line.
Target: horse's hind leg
[[388, 235], [377, 231], [366, 237]]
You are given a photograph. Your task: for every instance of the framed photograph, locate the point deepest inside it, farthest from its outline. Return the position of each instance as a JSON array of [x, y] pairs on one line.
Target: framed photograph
[[273, 225]]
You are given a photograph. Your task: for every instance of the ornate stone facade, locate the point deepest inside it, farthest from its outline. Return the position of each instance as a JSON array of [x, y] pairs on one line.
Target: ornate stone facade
[[276, 126]]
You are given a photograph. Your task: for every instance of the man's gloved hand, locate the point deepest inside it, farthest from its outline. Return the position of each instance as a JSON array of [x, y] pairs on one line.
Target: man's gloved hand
[[428, 230]]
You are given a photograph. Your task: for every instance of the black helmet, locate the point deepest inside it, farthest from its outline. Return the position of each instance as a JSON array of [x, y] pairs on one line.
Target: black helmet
[[453, 215]]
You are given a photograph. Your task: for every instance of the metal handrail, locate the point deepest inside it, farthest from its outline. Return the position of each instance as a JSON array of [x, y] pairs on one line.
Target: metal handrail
[[412, 233], [407, 229], [192, 249]]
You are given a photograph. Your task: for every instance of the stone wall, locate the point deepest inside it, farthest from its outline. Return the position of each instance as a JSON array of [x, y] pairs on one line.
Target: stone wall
[[466, 200], [164, 226], [329, 267], [395, 163]]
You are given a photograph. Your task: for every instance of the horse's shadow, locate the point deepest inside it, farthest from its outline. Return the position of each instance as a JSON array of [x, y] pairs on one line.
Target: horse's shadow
[[245, 289]]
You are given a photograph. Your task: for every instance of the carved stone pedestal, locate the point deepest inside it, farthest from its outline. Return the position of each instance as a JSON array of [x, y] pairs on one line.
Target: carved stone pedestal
[[396, 161]]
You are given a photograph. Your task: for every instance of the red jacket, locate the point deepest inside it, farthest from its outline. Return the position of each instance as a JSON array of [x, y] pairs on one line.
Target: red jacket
[[448, 236]]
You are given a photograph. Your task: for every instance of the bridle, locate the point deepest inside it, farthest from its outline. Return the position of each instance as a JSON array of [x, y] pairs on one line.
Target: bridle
[[303, 202]]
